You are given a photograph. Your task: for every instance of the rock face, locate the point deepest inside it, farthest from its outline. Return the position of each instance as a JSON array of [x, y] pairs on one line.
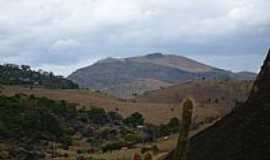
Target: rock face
[[242, 135], [144, 73]]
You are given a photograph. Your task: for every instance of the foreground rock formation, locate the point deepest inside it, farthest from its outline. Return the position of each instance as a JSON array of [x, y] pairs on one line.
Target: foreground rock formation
[[242, 135]]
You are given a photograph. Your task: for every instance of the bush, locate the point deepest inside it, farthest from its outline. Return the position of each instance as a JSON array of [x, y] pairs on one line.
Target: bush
[[22, 116], [173, 126], [112, 146], [114, 116], [133, 137], [134, 120], [97, 115]]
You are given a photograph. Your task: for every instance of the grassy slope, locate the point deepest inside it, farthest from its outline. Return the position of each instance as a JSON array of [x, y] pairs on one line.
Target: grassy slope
[[156, 106], [153, 112], [222, 94]]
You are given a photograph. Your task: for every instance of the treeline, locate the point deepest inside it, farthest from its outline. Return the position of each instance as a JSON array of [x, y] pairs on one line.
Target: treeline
[[12, 74], [33, 124]]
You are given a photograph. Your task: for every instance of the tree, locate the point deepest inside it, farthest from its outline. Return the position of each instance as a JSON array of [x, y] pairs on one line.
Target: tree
[[134, 119], [97, 115], [173, 125], [114, 116], [174, 122], [25, 67]]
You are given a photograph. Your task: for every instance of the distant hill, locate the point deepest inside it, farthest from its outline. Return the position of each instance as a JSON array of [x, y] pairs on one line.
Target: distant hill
[[125, 77], [12, 74], [246, 76], [222, 95], [243, 134]]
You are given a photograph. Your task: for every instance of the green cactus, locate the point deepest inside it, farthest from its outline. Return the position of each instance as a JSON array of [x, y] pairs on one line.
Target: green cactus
[[181, 148]]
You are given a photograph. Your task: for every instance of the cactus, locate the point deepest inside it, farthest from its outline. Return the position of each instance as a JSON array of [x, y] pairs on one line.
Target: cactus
[[181, 148]]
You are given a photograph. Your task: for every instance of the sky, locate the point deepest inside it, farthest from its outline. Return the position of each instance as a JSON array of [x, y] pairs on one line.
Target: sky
[[63, 35]]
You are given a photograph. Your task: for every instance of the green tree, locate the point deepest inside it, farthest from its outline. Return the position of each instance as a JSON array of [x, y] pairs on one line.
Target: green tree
[[134, 119], [114, 116], [174, 123], [97, 115]]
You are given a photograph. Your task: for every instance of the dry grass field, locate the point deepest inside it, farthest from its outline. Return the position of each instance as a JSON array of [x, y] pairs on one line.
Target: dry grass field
[[156, 106]]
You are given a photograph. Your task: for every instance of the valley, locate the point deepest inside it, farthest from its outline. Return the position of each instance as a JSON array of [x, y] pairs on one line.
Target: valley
[[214, 98], [106, 124]]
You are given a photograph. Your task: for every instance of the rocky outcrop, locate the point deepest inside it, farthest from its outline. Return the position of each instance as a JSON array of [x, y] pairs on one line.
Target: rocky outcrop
[[242, 135]]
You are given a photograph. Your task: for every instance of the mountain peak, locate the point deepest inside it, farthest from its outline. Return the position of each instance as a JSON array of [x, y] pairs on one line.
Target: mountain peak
[[109, 60], [158, 68], [172, 61], [155, 55]]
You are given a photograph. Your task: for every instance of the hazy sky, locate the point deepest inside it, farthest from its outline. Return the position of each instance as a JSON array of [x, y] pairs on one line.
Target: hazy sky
[[62, 35]]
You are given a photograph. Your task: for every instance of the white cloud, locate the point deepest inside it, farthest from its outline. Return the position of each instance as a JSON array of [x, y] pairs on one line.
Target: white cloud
[[65, 44], [60, 32]]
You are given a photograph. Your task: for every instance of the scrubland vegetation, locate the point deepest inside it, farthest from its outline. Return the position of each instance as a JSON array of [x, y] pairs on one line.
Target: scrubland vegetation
[[38, 126], [12, 74], [43, 116]]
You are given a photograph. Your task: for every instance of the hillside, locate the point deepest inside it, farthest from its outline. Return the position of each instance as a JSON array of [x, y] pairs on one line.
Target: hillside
[[125, 77], [245, 76], [157, 106], [155, 113], [72, 116], [222, 95], [12, 74], [243, 134], [39, 128]]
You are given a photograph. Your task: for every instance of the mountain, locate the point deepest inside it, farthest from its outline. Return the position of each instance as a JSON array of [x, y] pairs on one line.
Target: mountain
[[125, 77], [243, 134], [245, 76]]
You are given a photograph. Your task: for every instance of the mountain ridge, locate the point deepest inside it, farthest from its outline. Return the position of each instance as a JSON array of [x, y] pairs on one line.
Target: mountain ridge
[[111, 74]]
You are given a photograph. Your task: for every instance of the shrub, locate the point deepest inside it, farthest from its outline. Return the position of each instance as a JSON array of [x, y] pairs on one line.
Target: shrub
[[134, 120], [97, 115], [112, 146], [133, 137], [114, 116]]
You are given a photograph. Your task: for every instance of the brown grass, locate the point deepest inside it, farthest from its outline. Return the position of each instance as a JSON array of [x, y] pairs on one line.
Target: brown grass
[[153, 112], [156, 106]]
